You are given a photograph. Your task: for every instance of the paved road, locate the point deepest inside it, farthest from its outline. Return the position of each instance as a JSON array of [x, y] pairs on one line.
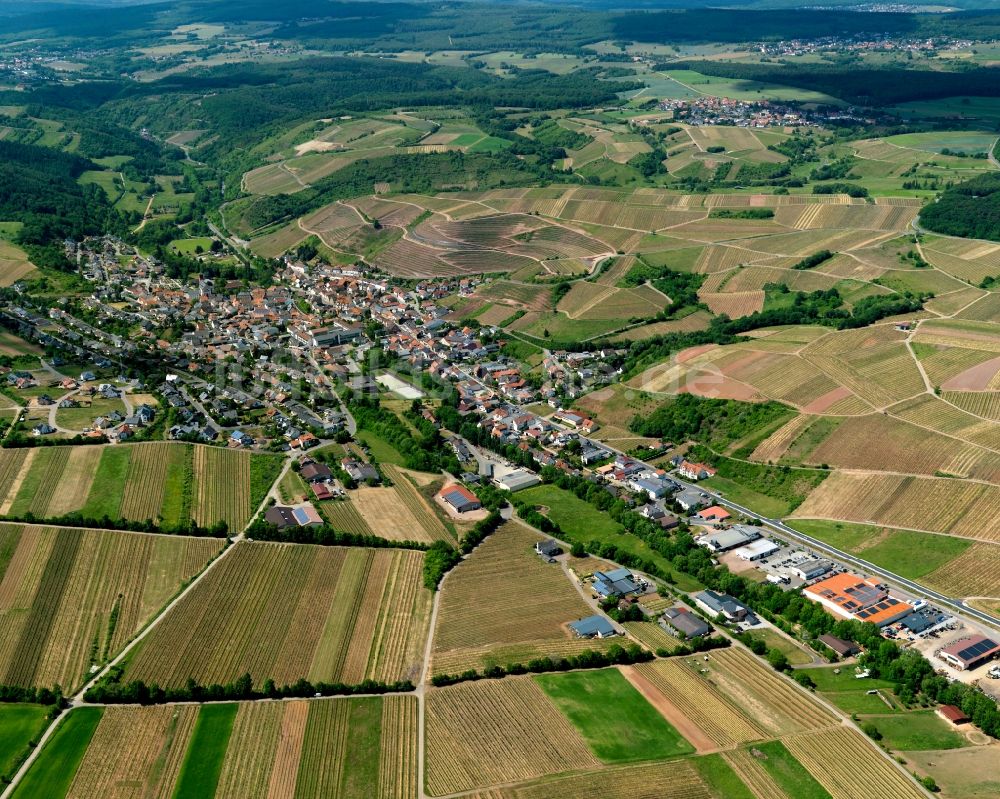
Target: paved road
[[956, 605], [848, 558]]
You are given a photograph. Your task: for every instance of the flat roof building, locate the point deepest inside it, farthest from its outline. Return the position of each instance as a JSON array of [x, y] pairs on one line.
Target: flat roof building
[[737, 536], [517, 480], [757, 550], [847, 596]]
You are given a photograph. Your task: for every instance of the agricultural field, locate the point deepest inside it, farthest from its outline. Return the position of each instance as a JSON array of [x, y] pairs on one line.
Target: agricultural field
[[72, 598], [498, 731], [936, 505], [327, 614], [168, 483], [705, 716], [503, 604], [14, 264], [354, 748], [910, 554], [614, 718], [847, 765], [399, 513], [19, 724]]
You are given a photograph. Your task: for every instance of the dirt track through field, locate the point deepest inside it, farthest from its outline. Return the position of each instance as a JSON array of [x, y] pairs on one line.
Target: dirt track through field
[[698, 739]]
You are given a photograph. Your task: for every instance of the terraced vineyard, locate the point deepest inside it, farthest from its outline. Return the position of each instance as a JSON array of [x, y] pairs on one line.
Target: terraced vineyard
[[326, 614]]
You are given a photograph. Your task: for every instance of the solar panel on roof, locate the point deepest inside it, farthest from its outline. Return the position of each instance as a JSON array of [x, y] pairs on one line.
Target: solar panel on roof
[[976, 649]]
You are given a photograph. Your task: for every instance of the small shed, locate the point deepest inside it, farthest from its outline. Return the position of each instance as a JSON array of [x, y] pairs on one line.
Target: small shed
[[952, 714]]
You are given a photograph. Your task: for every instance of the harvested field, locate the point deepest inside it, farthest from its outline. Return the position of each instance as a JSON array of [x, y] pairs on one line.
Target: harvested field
[[497, 731], [293, 611], [398, 513], [705, 715], [63, 586], [849, 766], [503, 604]]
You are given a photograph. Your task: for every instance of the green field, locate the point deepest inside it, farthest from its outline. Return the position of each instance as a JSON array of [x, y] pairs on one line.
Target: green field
[[19, 724], [52, 773], [767, 507], [907, 553], [790, 775], [918, 731], [957, 141], [581, 521], [112, 473], [796, 655], [619, 725], [190, 246], [829, 682], [721, 778], [199, 775], [381, 450]]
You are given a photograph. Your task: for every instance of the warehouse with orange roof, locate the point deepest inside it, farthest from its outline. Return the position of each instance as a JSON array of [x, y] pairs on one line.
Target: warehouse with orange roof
[[849, 596]]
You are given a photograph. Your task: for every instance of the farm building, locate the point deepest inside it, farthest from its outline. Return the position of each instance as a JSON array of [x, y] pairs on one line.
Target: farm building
[[757, 550], [952, 714], [282, 516], [517, 480], [548, 548], [460, 498], [713, 515], [847, 596], [593, 627], [722, 605], [617, 582], [684, 621], [841, 646], [738, 535], [970, 652]]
